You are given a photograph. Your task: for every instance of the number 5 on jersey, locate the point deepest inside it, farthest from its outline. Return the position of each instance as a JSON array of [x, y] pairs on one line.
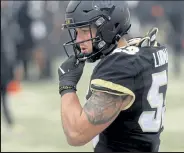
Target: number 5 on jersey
[[149, 121]]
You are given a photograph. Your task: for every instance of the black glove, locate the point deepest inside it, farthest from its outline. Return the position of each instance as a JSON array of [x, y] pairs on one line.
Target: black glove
[[69, 75]]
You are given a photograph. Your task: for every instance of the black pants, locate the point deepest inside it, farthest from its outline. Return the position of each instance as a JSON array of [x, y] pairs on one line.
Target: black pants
[[6, 112]]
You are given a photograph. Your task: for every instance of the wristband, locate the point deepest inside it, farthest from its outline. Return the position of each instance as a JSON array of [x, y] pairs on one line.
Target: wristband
[[64, 88]]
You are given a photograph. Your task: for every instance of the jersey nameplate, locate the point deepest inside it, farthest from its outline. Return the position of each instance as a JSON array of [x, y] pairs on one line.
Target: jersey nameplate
[[160, 57]]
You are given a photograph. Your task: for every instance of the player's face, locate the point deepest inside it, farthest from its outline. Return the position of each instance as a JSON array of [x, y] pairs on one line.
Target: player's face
[[84, 34]]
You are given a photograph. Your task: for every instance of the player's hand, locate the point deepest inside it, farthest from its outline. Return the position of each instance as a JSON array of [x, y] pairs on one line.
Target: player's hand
[[148, 40], [70, 73]]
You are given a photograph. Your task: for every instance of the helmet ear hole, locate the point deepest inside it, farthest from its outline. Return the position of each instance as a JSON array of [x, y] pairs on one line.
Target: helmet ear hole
[[75, 34], [72, 34], [116, 28], [78, 47], [116, 25]]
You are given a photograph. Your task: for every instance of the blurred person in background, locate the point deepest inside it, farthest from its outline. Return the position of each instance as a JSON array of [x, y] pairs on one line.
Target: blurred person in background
[[127, 87], [24, 41], [149, 13], [46, 31], [39, 32], [174, 14], [171, 12], [8, 72], [6, 77], [33, 32], [136, 25]]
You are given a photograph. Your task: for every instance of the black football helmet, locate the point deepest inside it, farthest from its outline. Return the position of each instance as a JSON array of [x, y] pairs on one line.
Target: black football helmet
[[110, 18]]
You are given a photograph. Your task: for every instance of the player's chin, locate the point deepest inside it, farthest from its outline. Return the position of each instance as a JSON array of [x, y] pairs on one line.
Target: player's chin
[[85, 51]]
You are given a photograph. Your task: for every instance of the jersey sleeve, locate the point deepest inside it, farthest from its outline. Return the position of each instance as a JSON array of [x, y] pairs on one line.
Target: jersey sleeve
[[115, 75]]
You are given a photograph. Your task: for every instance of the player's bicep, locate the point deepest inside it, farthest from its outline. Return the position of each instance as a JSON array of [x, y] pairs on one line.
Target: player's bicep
[[102, 107], [100, 110], [114, 89]]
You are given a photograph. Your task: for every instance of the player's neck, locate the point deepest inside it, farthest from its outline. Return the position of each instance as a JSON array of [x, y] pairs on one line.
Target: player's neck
[[122, 43]]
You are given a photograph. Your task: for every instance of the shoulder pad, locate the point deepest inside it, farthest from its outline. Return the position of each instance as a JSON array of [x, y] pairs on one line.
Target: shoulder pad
[[114, 74]]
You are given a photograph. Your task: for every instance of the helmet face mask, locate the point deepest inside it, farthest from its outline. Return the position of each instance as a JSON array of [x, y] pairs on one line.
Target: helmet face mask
[[76, 45], [107, 29]]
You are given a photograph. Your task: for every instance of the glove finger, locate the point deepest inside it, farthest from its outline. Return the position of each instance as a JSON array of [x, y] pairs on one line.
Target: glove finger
[[149, 39], [153, 34], [145, 41], [134, 41]]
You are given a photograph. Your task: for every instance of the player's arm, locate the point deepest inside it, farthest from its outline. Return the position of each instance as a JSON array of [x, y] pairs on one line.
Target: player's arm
[[108, 97], [82, 125]]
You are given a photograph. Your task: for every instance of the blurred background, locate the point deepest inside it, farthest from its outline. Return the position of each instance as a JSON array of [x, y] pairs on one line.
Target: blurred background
[[31, 51]]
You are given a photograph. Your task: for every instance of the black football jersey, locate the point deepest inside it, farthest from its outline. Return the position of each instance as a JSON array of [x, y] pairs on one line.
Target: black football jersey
[[143, 74]]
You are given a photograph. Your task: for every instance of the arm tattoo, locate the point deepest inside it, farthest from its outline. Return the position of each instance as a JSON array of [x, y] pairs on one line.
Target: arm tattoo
[[103, 107]]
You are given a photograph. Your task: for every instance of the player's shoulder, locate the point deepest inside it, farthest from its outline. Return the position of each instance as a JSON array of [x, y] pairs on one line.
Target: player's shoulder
[[126, 60], [120, 59], [119, 62], [133, 52], [136, 54], [148, 54], [115, 74], [126, 53], [152, 49]]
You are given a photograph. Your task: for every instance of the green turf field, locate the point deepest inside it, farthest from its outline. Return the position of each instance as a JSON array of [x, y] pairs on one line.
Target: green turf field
[[37, 115]]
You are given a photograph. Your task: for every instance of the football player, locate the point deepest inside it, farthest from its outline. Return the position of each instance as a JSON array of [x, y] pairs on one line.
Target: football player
[[125, 104]]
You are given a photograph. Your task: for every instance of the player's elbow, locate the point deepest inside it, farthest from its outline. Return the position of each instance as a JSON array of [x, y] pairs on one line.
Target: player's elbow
[[75, 142], [75, 139]]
